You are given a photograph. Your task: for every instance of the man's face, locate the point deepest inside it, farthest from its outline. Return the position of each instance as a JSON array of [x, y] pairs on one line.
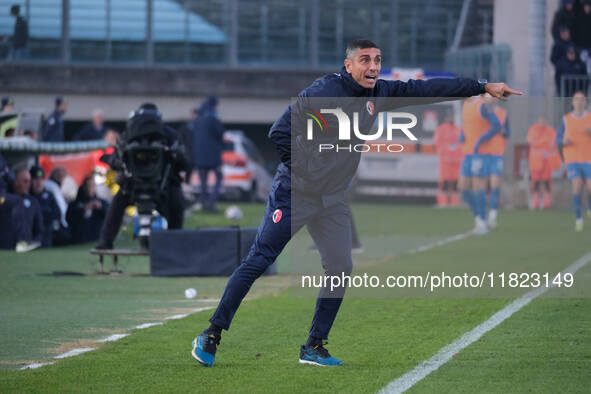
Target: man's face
[[565, 35], [587, 9], [569, 6], [111, 137], [579, 102], [365, 66], [37, 185], [63, 107], [98, 119], [542, 121], [571, 56], [22, 183]]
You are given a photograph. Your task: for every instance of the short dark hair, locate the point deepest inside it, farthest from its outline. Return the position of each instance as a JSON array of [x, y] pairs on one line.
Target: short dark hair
[[15, 9], [354, 45]]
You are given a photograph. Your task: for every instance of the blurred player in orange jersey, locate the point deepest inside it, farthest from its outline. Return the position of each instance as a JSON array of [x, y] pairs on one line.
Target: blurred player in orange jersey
[[447, 145], [493, 148], [480, 124], [574, 137], [543, 159]]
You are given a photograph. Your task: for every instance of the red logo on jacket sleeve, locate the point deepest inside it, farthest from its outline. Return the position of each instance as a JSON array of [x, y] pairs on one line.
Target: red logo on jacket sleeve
[[277, 215]]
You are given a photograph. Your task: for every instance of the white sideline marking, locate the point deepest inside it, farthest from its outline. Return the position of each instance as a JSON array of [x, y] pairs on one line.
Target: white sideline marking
[[35, 365], [412, 377], [75, 352], [113, 338], [182, 315], [441, 242], [174, 317], [147, 325]]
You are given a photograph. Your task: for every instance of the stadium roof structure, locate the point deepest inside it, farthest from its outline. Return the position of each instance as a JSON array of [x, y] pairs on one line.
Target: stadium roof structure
[[89, 20]]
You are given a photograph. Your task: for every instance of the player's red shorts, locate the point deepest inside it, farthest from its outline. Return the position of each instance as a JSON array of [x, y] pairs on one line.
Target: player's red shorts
[[449, 171], [542, 171]]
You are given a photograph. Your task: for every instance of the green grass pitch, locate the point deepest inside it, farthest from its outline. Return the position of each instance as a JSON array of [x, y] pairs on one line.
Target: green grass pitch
[[545, 347]]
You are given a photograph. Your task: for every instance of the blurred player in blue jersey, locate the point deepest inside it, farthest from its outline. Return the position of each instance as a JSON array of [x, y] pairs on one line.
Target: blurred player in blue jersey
[[480, 124], [574, 138], [492, 145]]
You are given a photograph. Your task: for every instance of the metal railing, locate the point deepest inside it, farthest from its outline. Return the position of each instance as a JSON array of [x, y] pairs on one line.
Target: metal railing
[[292, 33], [493, 62], [569, 84]]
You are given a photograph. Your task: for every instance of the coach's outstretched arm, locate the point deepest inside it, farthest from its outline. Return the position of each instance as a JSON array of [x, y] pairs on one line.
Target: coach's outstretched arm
[[444, 87]]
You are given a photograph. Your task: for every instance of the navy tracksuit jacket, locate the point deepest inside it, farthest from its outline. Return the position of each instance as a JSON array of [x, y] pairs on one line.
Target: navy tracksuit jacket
[[315, 198]]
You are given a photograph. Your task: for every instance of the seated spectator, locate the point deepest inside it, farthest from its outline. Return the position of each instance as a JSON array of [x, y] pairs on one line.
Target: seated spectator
[[49, 208], [86, 213], [23, 223], [112, 137], [560, 46], [565, 16], [94, 130], [584, 33], [53, 185], [571, 65]]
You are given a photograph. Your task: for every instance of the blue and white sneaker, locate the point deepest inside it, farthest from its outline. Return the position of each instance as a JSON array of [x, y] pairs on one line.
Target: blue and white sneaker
[[318, 355], [204, 348]]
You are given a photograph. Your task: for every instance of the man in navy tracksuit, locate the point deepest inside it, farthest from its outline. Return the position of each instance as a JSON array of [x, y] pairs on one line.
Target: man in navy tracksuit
[[310, 190]]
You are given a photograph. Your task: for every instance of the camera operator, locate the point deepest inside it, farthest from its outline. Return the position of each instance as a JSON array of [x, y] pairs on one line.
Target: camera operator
[[146, 128]]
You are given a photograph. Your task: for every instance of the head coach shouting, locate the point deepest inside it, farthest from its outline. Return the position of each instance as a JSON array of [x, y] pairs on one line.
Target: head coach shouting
[[313, 195]]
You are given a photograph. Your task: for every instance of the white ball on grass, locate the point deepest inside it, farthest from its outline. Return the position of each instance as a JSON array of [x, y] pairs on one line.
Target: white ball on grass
[[190, 293], [233, 212]]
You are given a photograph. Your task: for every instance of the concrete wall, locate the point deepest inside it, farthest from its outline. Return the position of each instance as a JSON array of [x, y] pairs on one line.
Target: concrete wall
[[246, 95], [174, 108]]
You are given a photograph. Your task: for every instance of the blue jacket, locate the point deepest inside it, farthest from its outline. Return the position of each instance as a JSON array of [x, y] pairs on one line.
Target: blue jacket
[[208, 132], [51, 214], [54, 128], [322, 174], [90, 133]]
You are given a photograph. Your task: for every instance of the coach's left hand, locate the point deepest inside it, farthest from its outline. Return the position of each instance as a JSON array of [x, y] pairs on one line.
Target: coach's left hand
[[500, 90]]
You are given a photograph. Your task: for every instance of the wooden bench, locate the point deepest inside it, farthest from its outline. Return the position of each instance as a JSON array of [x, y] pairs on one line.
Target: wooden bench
[[116, 253]]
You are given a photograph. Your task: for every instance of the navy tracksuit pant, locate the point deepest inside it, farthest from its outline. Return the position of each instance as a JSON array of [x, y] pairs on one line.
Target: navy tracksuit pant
[[329, 224]]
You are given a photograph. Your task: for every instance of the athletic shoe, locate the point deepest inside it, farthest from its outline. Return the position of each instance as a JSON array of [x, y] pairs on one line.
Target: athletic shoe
[[492, 219], [579, 225], [318, 355], [357, 249], [480, 228], [204, 348], [25, 246]]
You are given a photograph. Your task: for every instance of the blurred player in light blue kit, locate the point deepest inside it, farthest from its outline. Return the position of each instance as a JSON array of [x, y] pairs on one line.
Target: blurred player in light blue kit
[[480, 124], [574, 138]]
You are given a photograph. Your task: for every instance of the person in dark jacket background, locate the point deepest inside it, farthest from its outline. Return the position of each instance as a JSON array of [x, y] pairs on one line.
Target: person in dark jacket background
[[560, 46], [54, 126], [571, 64], [49, 208], [208, 133], [317, 199], [94, 130], [24, 225], [565, 16], [20, 37], [86, 213], [584, 26]]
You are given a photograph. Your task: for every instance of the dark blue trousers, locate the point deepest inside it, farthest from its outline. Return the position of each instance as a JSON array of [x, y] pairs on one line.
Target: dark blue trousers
[[210, 199], [330, 228]]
